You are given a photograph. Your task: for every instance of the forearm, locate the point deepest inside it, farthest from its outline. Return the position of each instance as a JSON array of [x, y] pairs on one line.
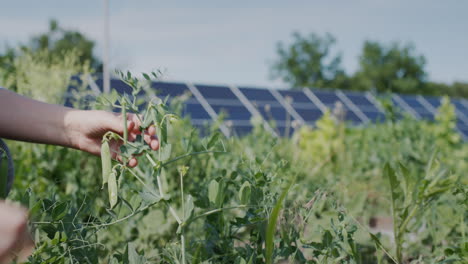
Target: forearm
[[25, 119]]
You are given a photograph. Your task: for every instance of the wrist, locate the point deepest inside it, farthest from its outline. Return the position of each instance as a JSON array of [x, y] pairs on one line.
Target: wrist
[[73, 128]]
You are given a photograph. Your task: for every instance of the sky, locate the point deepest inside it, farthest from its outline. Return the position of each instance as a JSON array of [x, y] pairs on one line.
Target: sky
[[234, 42]]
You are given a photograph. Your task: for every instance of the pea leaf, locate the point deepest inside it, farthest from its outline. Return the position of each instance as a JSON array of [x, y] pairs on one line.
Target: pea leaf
[[213, 189], [149, 198], [165, 152], [189, 205], [59, 211], [244, 193]]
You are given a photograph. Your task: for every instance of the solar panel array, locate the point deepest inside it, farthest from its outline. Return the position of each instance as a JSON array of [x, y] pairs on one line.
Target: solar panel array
[[282, 111]]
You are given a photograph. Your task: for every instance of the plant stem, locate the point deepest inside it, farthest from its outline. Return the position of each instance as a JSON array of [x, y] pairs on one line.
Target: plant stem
[[184, 218], [124, 116], [407, 219], [182, 242]]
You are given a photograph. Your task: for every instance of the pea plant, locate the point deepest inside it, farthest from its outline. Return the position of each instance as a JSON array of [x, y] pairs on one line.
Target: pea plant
[[412, 194], [156, 114]]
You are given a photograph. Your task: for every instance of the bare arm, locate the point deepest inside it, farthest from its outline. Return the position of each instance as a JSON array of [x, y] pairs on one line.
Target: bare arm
[[25, 119]]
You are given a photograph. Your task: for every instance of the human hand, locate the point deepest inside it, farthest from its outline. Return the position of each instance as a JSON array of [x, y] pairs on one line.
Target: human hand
[[85, 130], [15, 240]]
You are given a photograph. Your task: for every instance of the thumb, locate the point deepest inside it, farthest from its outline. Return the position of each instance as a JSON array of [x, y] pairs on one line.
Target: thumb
[[115, 123]]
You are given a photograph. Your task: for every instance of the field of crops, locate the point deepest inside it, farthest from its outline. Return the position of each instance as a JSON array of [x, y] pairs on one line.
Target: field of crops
[[391, 192]]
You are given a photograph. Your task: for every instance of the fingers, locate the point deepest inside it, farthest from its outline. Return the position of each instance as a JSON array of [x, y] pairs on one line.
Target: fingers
[[115, 154], [133, 127], [151, 139], [15, 239]]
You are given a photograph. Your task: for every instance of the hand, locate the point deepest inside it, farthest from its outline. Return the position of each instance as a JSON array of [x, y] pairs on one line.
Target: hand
[[15, 240], [85, 130]]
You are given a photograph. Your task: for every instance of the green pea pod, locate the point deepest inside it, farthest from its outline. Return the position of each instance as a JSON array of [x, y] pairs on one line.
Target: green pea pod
[[112, 186], [106, 162]]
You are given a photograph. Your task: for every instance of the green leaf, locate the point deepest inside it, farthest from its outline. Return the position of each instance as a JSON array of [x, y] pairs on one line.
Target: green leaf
[[146, 76], [147, 122], [244, 193], [394, 183], [165, 152], [213, 189], [59, 211], [133, 256], [270, 232], [213, 140], [240, 260], [189, 206], [49, 229], [149, 198]]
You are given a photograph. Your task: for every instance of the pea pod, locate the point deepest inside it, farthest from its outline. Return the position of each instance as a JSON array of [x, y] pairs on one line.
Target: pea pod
[[106, 162], [112, 187]]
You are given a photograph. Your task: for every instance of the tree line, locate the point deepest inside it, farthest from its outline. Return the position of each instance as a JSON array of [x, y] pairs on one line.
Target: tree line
[[310, 63]]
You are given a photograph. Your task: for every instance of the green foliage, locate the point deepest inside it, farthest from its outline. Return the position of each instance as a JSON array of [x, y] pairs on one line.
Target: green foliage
[[390, 69], [324, 141], [44, 77], [307, 62], [58, 54], [447, 119], [216, 200], [59, 40]]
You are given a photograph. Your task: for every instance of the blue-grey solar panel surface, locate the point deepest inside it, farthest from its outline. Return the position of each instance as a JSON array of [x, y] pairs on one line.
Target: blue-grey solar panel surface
[[270, 108], [331, 100], [365, 105], [302, 105], [223, 101]]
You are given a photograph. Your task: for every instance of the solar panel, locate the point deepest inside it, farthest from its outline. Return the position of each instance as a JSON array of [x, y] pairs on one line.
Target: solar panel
[[256, 94], [359, 99], [241, 130], [296, 96], [117, 85], [463, 129], [434, 101], [460, 105], [267, 106], [352, 117], [331, 100], [424, 114], [328, 98], [232, 112], [286, 130], [225, 103], [374, 116], [222, 100], [274, 113], [191, 108], [412, 101], [164, 89], [216, 92], [309, 115], [195, 111]]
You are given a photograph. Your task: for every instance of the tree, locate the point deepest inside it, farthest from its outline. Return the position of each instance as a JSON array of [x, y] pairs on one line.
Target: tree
[[59, 40], [55, 52], [392, 68], [308, 62]]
